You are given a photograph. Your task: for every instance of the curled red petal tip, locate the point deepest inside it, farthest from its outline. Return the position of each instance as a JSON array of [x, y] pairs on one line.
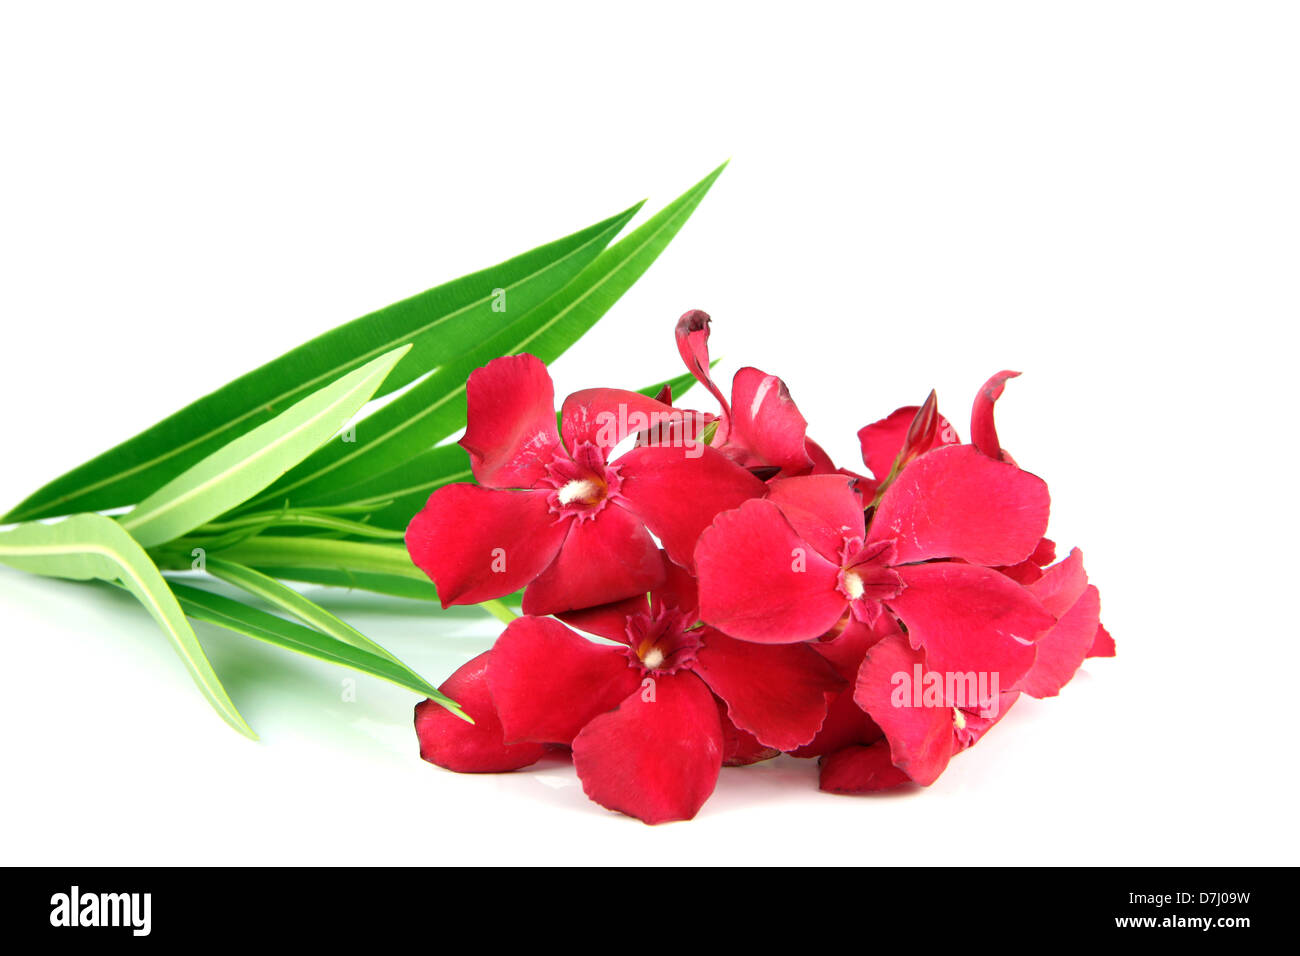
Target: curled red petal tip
[[983, 431]]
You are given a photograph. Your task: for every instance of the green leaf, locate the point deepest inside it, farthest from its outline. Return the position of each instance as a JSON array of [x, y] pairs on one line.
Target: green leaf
[[287, 599], [252, 461], [391, 585], [273, 552], [354, 565], [433, 409], [302, 520], [439, 324], [251, 622], [90, 546], [399, 493]]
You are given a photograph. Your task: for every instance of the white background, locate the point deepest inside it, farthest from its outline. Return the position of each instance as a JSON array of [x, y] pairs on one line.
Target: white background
[[1102, 195]]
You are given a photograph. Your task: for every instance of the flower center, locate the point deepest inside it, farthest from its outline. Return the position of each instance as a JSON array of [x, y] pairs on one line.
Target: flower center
[[853, 586], [958, 718], [583, 484], [662, 642], [866, 575], [580, 489]]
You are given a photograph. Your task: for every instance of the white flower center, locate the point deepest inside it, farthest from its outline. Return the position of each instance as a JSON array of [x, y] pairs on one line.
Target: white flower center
[[580, 489], [654, 657], [853, 585], [958, 719]]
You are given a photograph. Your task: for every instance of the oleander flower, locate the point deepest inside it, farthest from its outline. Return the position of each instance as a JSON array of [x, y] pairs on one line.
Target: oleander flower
[[892, 742], [652, 718], [787, 567], [746, 597], [551, 512]]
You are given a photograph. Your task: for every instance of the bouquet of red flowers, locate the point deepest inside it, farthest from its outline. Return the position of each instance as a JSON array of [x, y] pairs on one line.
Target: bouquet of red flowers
[[746, 597]]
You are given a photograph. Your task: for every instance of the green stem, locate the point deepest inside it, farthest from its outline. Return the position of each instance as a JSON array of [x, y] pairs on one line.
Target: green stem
[[499, 611], [268, 552], [303, 520]]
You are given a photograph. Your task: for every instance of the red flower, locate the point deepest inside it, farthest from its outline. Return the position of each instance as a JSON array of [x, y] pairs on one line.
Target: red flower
[[787, 567], [882, 625], [555, 514], [643, 717], [761, 428], [917, 738], [921, 736], [926, 715]]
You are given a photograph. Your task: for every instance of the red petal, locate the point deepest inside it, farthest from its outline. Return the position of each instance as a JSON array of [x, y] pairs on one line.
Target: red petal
[[846, 650], [978, 724], [1024, 573], [678, 492], [1103, 645], [969, 618], [1031, 569], [822, 463], [548, 682], [740, 748], [846, 725], [677, 590], [1062, 584], [605, 558], [777, 692], [1062, 649], [605, 416], [1045, 553], [983, 433], [480, 747], [693, 346], [482, 543], [607, 620], [759, 581], [861, 770], [824, 510], [956, 503], [882, 441], [655, 759], [511, 414], [767, 424], [920, 737]]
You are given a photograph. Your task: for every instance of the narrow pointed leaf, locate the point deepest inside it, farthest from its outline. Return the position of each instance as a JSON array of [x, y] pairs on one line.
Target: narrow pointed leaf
[[310, 521], [251, 622], [290, 601], [439, 324], [248, 464], [90, 546], [391, 585], [433, 409]]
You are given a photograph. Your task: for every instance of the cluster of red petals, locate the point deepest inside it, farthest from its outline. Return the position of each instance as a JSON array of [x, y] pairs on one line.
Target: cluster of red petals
[[748, 598]]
